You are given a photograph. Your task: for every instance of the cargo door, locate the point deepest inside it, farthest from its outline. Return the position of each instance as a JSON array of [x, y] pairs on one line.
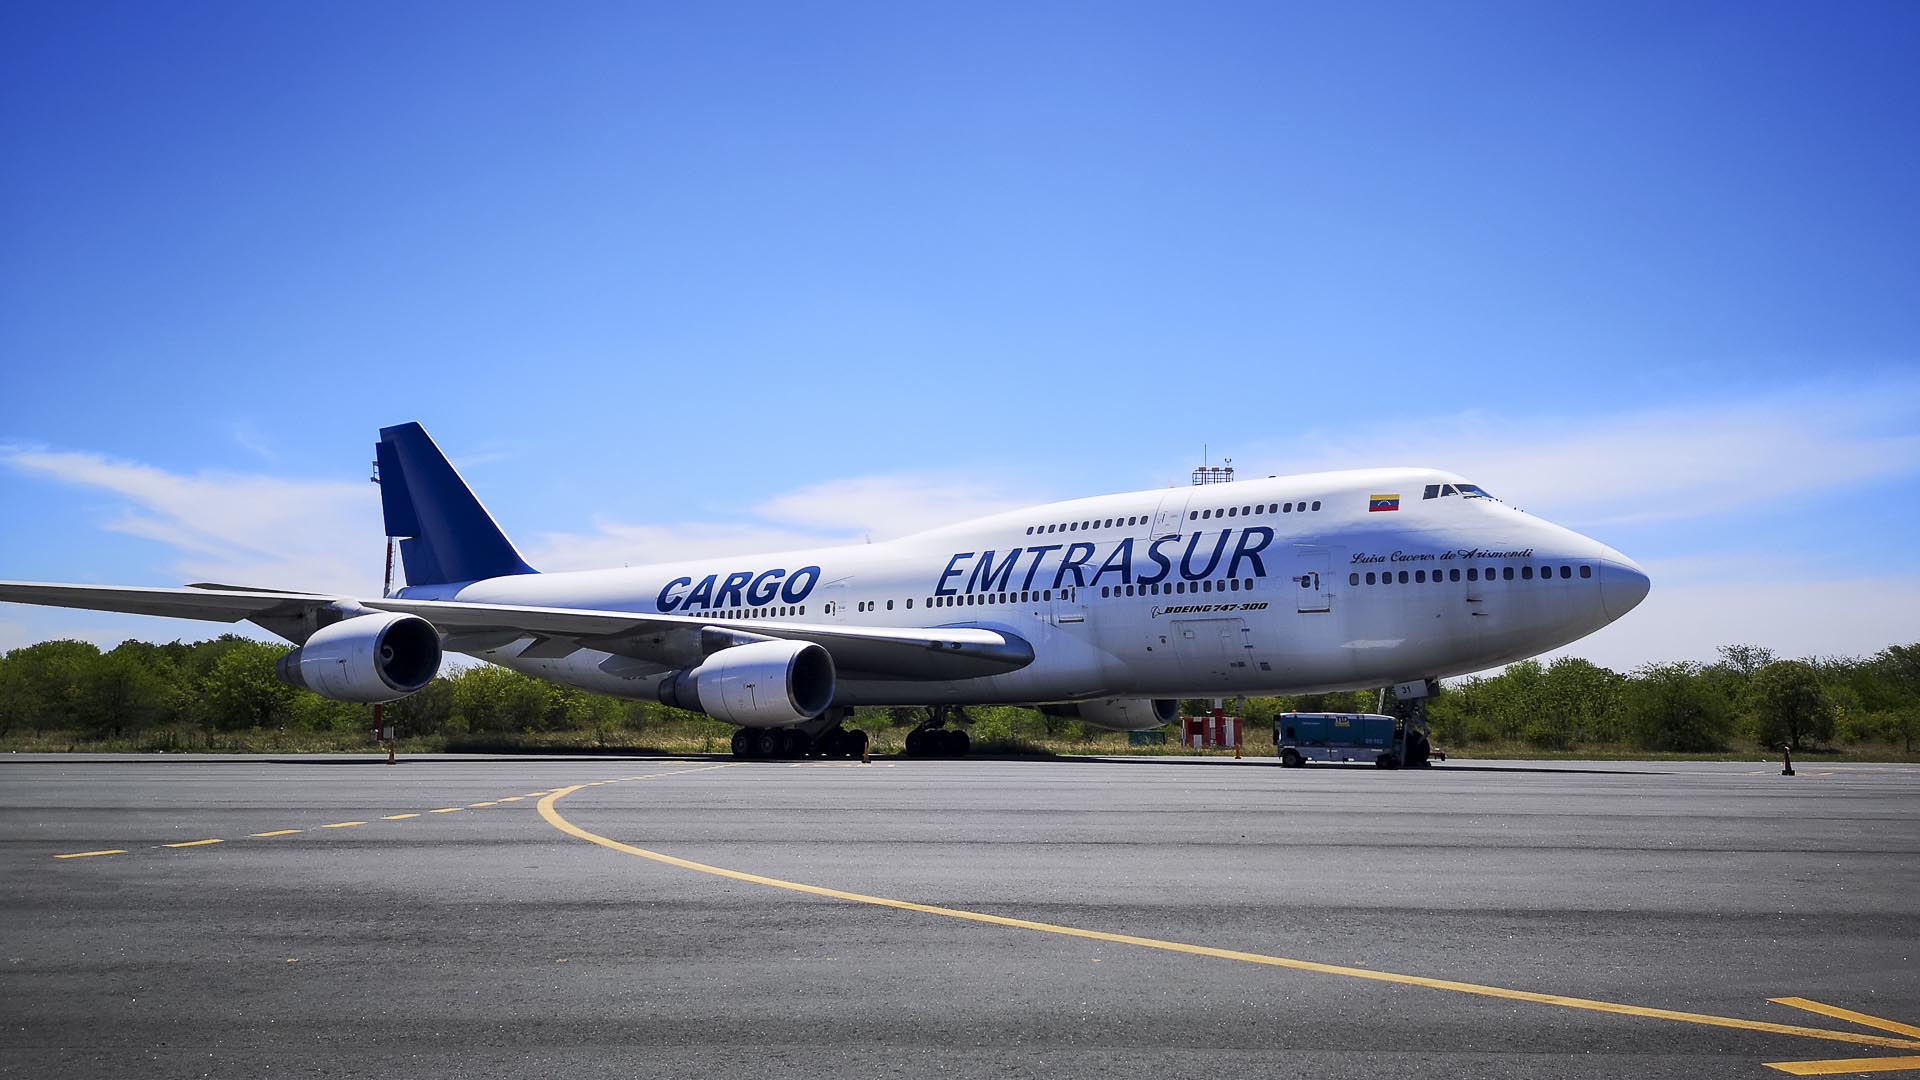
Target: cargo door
[[1312, 577], [1210, 651]]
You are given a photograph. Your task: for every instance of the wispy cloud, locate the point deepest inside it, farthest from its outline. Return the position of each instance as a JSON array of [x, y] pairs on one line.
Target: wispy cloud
[[834, 512], [255, 529], [237, 528], [1659, 464], [888, 506], [247, 436]]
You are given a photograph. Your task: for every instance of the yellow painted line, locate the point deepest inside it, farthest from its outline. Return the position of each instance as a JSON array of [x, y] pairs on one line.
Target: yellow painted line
[[533, 794], [447, 810], [194, 843], [399, 817], [276, 832], [513, 798], [91, 854], [1839, 1013], [553, 817], [1846, 1065], [343, 825], [478, 805]]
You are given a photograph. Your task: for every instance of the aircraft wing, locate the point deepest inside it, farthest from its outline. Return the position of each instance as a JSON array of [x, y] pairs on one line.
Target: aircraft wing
[[670, 641]]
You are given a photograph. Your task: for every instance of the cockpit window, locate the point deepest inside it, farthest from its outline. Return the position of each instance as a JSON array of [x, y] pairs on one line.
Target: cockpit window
[[1469, 491]]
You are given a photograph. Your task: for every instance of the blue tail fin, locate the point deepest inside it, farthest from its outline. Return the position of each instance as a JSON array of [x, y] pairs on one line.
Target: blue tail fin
[[447, 535]]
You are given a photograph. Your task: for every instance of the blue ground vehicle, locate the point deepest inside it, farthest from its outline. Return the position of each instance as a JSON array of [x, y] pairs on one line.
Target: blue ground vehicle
[[1384, 741]]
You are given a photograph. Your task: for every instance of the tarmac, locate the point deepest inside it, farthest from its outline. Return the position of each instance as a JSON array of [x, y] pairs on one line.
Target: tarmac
[[1142, 917]]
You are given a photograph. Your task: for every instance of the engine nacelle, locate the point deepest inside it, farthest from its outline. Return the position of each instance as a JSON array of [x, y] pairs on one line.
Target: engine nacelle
[[759, 684], [372, 658], [1120, 714]]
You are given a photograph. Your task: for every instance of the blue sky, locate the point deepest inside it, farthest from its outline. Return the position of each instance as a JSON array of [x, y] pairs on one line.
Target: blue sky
[[678, 280]]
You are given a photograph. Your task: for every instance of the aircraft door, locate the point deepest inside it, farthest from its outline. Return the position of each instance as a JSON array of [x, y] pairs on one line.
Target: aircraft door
[[1312, 579], [1172, 513]]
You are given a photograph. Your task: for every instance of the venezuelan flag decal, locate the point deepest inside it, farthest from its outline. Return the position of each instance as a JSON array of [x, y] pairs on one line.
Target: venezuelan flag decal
[[1377, 503]]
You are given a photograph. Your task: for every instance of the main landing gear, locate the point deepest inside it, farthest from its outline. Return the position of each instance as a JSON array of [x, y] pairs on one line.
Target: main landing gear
[[933, 739], [775, 743]]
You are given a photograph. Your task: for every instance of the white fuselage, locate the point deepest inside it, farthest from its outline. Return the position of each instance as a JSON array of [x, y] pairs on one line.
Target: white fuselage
[[1292, 584]]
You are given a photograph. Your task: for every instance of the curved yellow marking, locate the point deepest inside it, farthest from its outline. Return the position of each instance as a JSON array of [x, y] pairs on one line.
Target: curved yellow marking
[[553, 817]]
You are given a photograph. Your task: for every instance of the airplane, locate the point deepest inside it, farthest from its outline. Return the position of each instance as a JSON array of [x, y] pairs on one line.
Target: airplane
[[1109, 608]]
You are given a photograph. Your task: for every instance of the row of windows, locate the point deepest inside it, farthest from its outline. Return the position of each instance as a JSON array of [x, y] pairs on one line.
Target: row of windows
[[752, 613], [1096, 523], [1015, 596], [1474, 573], [1301, 507], [1171, 588]]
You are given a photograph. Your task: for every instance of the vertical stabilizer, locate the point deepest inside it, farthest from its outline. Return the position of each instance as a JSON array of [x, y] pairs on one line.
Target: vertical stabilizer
[[446, 535]]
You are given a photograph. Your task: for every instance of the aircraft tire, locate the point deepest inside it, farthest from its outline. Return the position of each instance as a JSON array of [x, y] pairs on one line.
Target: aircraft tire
[[768, 743], [856, 744], [743, 743], [916, 743], [958, 744]]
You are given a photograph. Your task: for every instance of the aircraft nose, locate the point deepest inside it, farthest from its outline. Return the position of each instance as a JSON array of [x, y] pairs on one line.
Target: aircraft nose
[[1622, 586]]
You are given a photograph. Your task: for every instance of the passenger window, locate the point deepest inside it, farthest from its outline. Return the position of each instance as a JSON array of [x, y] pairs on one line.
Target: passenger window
[[1249, 583], [1286, 508], [1369, 577], [1566, 572], [1506, 572], [1526, 573], [1193, 515], [1453, 575], [1403, 577], [1420, 577], [1472, 574], [1316, 504], [1586, 571]]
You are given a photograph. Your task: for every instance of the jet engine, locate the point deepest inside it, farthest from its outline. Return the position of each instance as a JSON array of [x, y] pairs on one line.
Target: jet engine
[[759, 684], [1120, 714], [369, 658]]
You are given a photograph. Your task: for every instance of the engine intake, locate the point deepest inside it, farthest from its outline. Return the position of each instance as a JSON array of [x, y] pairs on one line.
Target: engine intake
[[369, 658], [1120, 714], [760, 684]]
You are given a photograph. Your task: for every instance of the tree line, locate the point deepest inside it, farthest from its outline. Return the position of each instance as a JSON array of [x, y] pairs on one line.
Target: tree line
[[189, 694]]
